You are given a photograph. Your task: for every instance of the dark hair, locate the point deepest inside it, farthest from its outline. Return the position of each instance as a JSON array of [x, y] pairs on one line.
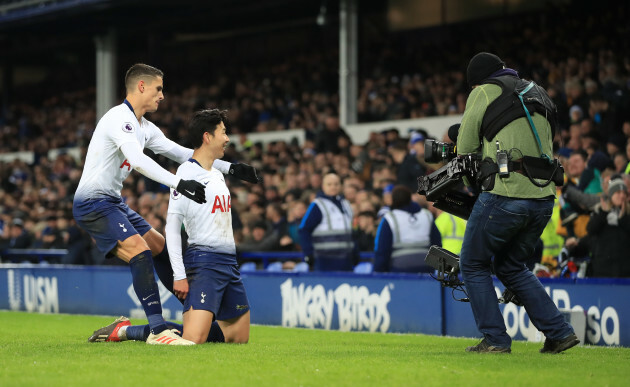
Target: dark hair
[[401, 197], [582, 153], [277, 207], [260, 224], [139, 71], [204, 121]]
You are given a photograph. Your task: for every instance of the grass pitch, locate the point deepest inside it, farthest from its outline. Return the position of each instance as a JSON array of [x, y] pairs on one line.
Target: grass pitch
[[52, 350]]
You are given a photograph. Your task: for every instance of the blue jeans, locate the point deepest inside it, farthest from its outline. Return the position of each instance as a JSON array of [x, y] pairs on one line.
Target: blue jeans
[[507, 229]]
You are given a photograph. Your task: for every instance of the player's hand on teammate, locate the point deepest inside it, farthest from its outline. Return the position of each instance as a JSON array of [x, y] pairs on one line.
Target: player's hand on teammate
[[192, 190], [245, 172], [180, 288]]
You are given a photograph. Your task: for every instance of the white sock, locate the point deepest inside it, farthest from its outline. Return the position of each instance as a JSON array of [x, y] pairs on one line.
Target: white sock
[[122, 333]]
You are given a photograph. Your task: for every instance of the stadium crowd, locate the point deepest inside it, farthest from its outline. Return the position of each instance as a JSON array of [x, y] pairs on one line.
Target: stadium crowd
[[586, 71]]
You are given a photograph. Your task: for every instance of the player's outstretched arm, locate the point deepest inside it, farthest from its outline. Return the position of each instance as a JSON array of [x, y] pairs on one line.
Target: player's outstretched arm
[[146, 166], [174, 245], [180, 154], [149, 168]]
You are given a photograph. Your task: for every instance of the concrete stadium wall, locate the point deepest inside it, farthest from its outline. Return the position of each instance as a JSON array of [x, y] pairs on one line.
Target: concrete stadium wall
[[347, 302]]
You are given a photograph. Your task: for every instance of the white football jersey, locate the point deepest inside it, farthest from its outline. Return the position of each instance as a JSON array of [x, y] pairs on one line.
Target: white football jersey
[[209, 224], [105, 166]]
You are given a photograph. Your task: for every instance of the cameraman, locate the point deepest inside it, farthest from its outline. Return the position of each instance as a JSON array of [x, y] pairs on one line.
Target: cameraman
[[513, 209]]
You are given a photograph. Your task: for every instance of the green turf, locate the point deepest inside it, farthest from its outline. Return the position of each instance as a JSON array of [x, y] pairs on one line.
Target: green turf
[[52, 350]]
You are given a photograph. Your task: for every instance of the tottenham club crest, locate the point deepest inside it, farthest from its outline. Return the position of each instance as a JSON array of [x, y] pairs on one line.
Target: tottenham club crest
[[127, 127], [175, 195]]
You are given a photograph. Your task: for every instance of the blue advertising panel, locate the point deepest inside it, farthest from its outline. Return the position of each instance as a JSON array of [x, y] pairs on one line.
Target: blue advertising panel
[[76, 289], [348, 302], [605, 304]]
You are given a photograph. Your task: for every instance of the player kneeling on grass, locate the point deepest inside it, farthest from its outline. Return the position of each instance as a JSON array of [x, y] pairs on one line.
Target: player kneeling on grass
[[207, 276]]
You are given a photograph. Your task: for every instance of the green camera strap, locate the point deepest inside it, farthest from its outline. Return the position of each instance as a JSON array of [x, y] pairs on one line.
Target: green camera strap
[[531, 122]]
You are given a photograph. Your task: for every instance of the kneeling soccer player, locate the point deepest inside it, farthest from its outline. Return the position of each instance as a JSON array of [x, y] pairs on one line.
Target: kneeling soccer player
[[207, 276]]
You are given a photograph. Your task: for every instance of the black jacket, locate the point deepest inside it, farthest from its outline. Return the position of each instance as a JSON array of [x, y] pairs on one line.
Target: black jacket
[[610, 256], [409, 171]]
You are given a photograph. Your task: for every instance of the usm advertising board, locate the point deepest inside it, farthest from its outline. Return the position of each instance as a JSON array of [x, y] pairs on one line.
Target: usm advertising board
[[348, 302]]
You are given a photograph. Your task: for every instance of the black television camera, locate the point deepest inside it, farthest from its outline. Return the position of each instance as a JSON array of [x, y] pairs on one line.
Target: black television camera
[[445, 187]]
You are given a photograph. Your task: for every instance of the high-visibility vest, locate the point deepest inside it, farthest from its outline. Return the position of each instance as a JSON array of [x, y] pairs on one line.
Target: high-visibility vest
[[411, 239], [452, 229], [332, 238], [552, 241]]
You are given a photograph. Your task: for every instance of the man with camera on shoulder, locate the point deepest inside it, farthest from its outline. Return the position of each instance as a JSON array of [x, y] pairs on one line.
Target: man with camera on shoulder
[[510, 122]]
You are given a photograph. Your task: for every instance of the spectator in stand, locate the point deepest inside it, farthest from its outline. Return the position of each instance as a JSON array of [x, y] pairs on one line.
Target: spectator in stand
[[297, 210], [404, 236], [366, 230], [616, 143], [386, 200], [575, 114], [620, 161], [590, 180], [585, 181], [326, 230], [51, 236], [608, 233], [413, 165], [15, 236], [78, 243], [275, 214], [328, 136], [262, 238]]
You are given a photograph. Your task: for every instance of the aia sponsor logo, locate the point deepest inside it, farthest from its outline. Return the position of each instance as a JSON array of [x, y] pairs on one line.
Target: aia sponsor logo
[[125, 164], [222, 203]]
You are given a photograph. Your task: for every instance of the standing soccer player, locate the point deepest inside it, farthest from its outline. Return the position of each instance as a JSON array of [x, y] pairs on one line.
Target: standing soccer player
[[115, 148], [207, 276]]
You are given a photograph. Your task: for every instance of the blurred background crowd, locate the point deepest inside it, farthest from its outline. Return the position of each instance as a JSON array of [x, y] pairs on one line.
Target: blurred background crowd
[[408, 74]]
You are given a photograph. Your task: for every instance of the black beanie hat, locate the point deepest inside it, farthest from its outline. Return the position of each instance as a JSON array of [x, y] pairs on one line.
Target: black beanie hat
[[481, 66]]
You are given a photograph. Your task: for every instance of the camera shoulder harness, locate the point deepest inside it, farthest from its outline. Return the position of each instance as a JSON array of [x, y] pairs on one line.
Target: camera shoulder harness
[[518, 98], [505, 109]]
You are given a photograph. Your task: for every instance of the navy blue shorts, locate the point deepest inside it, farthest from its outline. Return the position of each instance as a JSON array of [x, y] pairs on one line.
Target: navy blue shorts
[[216, 288], [108, 220]]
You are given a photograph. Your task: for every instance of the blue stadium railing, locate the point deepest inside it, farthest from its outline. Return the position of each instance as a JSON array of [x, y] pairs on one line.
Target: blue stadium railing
[[40, 255], [265, 257]]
